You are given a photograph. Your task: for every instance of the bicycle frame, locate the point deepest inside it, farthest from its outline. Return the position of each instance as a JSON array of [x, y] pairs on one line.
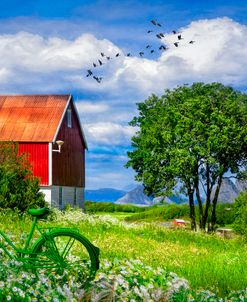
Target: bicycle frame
[[45, 252], [20, 251], [27, 250]]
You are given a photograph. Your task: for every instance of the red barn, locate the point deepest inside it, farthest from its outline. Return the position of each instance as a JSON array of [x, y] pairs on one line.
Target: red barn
[[40, 123]]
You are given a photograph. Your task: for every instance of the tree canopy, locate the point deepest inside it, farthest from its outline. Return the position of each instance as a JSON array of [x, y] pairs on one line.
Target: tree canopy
[[194, 135]]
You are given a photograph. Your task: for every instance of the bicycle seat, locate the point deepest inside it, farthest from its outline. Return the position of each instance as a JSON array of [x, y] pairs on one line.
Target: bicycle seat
[[39, 212]]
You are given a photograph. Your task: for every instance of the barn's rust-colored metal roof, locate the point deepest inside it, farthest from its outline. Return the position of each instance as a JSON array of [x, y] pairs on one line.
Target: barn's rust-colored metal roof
[[31, 118]]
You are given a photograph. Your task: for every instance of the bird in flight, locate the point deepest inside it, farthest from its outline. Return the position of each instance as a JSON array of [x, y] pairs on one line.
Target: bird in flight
[[148, 49], [89, 73], [98, 79], [154, 22], [162, 47]]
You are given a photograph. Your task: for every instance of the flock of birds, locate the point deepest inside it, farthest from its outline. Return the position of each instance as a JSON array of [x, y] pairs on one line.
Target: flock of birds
[[148, 49]]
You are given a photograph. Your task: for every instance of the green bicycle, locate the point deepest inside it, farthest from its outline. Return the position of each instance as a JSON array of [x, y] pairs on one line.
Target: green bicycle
[[57, 249]]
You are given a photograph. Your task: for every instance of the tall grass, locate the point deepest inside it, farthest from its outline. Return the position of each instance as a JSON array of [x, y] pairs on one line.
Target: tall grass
[[207, 261]]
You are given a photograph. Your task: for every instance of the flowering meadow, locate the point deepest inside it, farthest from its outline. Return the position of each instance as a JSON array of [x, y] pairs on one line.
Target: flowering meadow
[[138, 262]]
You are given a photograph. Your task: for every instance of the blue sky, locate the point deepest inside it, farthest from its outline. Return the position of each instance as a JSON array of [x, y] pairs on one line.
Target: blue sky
[[47, 47]]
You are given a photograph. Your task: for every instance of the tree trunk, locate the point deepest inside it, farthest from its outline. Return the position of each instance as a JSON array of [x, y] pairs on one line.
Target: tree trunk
[[214, 203], [205, 214], [199, 204], [192, 209], [208, 198]]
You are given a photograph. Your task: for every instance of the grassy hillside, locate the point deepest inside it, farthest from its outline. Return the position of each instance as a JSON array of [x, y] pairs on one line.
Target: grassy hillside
[[206, 261], [225, 213]]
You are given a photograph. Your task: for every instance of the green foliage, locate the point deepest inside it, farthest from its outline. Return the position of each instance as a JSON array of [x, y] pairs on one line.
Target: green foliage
[[192, 135], [225, 214], [94, 207], [18, 188], [161, 213], [240, 211]]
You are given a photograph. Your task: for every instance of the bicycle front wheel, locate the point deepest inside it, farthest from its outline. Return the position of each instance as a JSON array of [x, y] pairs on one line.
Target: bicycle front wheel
[[65, 249]]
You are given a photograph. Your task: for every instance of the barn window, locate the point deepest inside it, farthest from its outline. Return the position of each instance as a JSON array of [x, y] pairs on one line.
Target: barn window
[[69, 118]]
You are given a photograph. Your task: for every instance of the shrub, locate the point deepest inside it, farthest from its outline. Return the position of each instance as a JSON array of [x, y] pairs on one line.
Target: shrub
[[240, 212], [166, 212], [18, 187], [93, 207], [225, 214], [176, 211]]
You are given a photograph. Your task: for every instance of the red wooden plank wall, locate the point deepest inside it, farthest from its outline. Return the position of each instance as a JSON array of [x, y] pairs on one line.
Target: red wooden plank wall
[[39, 159], [68, 167]]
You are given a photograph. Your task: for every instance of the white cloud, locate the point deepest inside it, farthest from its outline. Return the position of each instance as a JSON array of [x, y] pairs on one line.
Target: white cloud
[[218, 54], [117, 111], [31, 62], [37, 54], [86, 107], [4, 74], [101, 180], [109, 133]]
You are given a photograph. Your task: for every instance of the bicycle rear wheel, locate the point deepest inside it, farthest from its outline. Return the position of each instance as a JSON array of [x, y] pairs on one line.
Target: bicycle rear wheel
[[63, 250]]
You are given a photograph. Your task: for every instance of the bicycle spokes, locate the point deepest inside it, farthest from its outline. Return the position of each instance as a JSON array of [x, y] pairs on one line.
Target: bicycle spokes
[[68, 250], [68, 247]]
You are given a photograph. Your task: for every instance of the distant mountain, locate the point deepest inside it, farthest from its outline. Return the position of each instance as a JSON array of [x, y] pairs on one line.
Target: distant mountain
[[174, 199], [162, 200], [104, 195], [130, 187], [229, 191], [135, 196], [241, 185]]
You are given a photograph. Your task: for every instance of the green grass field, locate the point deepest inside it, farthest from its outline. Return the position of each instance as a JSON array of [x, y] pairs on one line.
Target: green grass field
[[206, 261]]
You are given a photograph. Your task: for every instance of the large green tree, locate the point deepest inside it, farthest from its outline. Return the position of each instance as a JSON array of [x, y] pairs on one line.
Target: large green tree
[[19, 189], [192, 135]]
